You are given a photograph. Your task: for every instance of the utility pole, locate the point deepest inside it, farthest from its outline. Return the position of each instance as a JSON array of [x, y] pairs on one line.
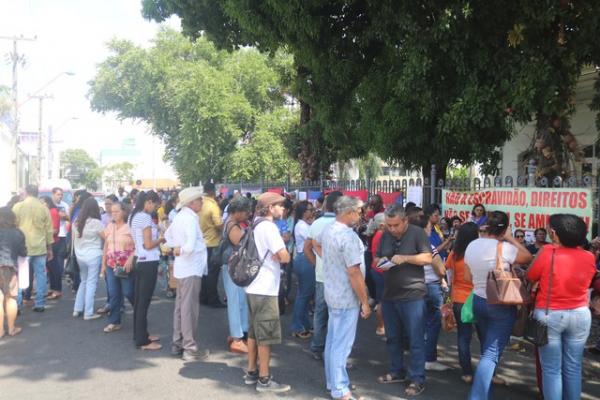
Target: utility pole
[[40, 152], [16, 59]]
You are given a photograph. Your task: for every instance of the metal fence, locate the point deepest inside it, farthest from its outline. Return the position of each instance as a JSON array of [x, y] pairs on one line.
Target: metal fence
[[431, 186]]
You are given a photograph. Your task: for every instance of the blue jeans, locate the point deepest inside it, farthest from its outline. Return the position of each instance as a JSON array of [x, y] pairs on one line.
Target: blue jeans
[[118, 288], [464, 335], [405, 319], [89, 269], [341, 332], [433, 318], [317, 344], [306, 290], [379, 285], [237, 307], [562, 357], [495, 323], [37, 271]]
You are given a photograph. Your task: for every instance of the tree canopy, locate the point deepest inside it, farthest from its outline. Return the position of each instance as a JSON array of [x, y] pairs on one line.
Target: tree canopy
[[417, 82], [80, 169], [208, 106]]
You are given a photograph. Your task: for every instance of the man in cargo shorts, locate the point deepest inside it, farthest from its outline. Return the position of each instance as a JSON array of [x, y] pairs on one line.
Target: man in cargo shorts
[[264, 327]]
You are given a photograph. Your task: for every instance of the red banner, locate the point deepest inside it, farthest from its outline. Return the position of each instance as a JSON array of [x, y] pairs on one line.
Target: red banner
[[278, 190], [361, 194], [389, 198]]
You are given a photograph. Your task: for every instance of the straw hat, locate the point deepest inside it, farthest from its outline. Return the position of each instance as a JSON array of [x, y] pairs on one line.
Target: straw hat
[[188, 195]]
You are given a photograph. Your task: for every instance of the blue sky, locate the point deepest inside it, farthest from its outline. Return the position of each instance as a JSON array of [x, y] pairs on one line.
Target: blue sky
[[71, 36]]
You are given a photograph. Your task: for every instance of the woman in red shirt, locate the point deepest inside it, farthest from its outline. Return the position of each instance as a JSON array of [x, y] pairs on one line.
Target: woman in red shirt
[[54, 270], [564, 272], [462, 286]]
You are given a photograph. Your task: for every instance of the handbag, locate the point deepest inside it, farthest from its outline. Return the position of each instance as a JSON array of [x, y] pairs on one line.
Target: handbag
[[467, 316], [448, 320], [119, 257], [505, 287], [536, 331], [72, 267]]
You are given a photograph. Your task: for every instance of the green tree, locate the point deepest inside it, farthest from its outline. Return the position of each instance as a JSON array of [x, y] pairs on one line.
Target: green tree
[[80, 169], [118, 174], [420, 82], [369, 166], [199, 100]]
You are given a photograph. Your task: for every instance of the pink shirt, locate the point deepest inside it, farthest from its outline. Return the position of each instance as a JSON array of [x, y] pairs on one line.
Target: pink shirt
[[118, 240]]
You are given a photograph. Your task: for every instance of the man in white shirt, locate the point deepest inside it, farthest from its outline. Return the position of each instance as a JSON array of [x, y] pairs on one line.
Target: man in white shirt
[[185, 237], [264, 328]]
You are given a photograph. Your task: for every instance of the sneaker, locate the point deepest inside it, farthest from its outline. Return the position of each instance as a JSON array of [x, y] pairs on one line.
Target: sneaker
[[103, 310], [77, 314], [272, 386], [436, 366], [251, 378], [176, 351], [197, 355], [91, 317]]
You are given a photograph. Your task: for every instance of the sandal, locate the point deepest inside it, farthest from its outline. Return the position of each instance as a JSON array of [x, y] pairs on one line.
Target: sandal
[[54, 296], [302, 335], [414, 389], [151, 346], [389, 378], [112, 328], [15, 331]]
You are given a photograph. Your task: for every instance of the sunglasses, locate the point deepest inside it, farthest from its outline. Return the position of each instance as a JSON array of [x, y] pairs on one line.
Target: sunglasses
[[519, 236]]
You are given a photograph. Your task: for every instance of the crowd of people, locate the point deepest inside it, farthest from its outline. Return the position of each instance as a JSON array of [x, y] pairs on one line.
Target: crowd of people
[[350, 259]]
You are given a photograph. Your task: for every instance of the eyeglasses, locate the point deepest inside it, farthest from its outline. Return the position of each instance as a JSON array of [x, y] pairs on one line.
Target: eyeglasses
[[519, 236]]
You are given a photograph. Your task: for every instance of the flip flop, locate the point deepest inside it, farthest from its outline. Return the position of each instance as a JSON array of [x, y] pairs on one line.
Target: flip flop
[[151, 346], [389, 378]]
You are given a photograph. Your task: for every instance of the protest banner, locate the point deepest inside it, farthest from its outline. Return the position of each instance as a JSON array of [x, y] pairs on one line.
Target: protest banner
[[527, 208]]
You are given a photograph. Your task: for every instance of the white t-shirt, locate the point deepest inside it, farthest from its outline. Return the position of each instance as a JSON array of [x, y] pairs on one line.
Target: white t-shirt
[[301, 233], [480, 256], [141, 221], [267, 238], [63, 230], [89, 245]]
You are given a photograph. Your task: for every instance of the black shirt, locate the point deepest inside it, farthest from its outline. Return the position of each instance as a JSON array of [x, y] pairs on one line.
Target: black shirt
[[12, 246], [405, 281]]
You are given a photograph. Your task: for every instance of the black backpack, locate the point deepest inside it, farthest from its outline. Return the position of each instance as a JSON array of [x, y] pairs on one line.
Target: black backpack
[[245, 262]]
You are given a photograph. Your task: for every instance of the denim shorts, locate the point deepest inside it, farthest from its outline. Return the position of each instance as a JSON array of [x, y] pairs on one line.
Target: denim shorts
[[263, 319]]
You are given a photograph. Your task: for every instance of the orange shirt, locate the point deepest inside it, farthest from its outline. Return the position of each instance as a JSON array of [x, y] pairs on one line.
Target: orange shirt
[[461, 288]]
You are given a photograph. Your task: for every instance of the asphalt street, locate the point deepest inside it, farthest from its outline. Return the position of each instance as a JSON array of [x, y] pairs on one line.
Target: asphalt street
[[60, 357]]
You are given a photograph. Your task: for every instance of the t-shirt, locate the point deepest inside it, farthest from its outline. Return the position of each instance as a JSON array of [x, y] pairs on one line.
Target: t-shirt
[[301, 233], [141, 221], [430, 275], [481, 255], [268, 240], [574, 269], [90, 243], [63, 229], [315, 229], [374, 247], [342, 249], [461, 288], [406, 281], [282, 225]]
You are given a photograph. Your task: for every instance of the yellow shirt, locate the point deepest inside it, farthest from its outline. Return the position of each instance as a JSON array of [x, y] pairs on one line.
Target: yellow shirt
[[33, 219], [210, 221], [161, 214]]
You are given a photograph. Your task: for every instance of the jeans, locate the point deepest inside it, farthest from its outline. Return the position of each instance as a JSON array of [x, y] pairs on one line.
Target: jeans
[[464, 335], [118, 288], [433, 318], [209, 294], [562, 357], [145, 283], [37, 270], [306, 290], [237, 307], [317, 344], [379, 285], [495, 323], [57, 264], [405, 319], [341, 332], [89, 270]]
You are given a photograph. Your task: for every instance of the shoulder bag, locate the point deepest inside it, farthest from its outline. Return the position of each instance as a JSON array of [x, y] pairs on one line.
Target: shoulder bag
[[505, 287], [536, 331], [118, 258], [72, 267]]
